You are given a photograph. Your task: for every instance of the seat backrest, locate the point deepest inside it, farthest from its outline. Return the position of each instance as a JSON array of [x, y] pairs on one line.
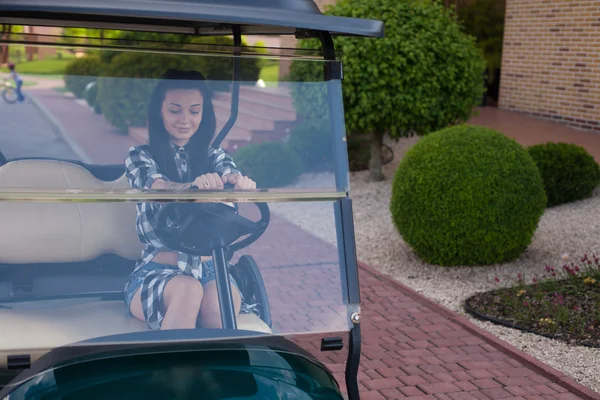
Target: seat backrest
[[44, 232]]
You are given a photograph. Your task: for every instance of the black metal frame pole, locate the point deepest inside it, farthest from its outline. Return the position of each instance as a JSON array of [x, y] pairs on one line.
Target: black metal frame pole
[[235, 90], [224, 289], [333, 75], [220, 259]]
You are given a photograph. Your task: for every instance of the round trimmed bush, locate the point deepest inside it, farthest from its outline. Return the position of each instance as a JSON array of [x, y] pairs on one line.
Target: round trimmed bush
[[269, 164], [569, 172], [314, 145], [90, 94], [467, 195], [80, 72]]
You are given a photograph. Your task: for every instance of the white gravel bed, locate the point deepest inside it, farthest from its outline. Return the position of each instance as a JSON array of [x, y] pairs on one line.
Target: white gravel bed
[[573, 229]]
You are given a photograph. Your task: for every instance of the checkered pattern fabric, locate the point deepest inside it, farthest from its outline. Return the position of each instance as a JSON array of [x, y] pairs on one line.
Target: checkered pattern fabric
[[142, 171]]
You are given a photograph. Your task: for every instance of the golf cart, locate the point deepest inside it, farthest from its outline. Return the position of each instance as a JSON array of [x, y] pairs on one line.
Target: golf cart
[[68, 212]]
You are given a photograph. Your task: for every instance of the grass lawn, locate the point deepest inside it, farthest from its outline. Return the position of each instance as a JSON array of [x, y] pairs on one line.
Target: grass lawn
[[51, 66]]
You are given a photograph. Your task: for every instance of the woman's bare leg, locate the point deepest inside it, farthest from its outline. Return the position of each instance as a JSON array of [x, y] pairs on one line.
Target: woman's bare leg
[[210, 315], [182, 298]]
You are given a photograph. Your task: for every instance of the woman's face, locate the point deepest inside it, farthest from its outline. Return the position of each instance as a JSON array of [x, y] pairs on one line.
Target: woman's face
[[182, 113]]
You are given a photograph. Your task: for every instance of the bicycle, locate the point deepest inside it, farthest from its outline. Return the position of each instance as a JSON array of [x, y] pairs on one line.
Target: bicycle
[[9, 92]]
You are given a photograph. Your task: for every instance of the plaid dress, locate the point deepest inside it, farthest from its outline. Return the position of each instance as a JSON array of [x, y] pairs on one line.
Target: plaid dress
[[141, 173]]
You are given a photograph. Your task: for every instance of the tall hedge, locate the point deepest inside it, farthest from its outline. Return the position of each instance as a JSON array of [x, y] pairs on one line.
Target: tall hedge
[[122, 93], [125, 89], [467, 195], [424, 75], [81, 71]]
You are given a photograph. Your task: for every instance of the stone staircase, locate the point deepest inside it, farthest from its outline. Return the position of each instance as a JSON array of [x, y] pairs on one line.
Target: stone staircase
[[264, 114]]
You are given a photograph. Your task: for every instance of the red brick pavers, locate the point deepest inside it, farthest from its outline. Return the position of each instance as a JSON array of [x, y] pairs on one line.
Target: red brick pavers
[[411, 347], [529, 130], [102, 143]]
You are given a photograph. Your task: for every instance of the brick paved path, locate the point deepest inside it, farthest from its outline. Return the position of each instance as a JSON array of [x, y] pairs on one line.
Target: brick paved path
[[529, 130], [411, 347]]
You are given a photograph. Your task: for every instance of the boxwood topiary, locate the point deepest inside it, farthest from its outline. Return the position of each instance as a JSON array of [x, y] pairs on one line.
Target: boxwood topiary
[[269, 164], [569, 172], [80, 72], [314, 145], [467, 195]]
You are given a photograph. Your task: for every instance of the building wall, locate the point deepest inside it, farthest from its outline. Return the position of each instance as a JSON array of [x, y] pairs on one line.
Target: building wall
[[551, 60], [290, 42]]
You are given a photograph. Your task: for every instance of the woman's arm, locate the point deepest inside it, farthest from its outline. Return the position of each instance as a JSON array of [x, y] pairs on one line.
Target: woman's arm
[[141, 169], [222, 163], [142, 173], [159, 183]]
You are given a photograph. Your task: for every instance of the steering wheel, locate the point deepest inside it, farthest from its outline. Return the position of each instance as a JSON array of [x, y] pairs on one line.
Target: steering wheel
[[198, 228]]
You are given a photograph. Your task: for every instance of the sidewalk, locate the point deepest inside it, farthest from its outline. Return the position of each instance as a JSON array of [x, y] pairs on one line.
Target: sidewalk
[[529, 130], [411, 346]]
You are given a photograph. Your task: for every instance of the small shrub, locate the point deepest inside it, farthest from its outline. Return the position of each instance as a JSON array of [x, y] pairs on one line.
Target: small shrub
[[569, 172], [90, 94], [314, 144], [81, 71], [467, 195], [269, 164]]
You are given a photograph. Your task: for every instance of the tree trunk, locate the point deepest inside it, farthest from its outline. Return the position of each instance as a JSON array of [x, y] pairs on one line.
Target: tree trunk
[[5, 49], [376, 172]]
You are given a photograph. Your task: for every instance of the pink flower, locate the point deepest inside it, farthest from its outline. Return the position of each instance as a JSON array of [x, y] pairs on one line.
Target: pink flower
[[553, 273], [520, 276], [576, 268], [548, 268], [526, 303], [497, 279]]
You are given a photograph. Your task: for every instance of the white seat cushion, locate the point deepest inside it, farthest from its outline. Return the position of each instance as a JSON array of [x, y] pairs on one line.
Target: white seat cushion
[[46, 232], [56, 232], [37, 327]]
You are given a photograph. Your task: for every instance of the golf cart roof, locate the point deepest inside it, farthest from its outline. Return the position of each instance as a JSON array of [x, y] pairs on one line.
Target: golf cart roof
[[204, 17]]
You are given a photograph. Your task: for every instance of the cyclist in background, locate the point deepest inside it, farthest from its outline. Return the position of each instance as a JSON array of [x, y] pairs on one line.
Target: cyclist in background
[[18, 81]]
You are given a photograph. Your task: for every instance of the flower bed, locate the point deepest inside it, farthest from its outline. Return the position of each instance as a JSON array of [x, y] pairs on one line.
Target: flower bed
[[561, 303]]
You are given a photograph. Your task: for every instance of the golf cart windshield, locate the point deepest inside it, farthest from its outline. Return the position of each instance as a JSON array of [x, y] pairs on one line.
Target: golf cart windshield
[[80, 213]]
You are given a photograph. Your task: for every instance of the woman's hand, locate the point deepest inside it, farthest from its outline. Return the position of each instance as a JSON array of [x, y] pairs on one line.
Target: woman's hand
[[239, 181], [208, 182]]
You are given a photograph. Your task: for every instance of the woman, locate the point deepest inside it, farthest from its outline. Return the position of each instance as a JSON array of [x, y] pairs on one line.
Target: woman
[[167, 289]]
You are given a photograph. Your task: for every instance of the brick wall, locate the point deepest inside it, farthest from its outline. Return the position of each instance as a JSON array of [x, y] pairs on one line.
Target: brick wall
[[290, 42], [551, 60]]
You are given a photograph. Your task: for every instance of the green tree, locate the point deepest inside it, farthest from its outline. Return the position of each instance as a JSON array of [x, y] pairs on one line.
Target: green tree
[[484, 19], [423, 76]]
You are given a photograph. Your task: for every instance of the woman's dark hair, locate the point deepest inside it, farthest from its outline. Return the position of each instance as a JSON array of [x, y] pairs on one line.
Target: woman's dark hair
[[159, 139]]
